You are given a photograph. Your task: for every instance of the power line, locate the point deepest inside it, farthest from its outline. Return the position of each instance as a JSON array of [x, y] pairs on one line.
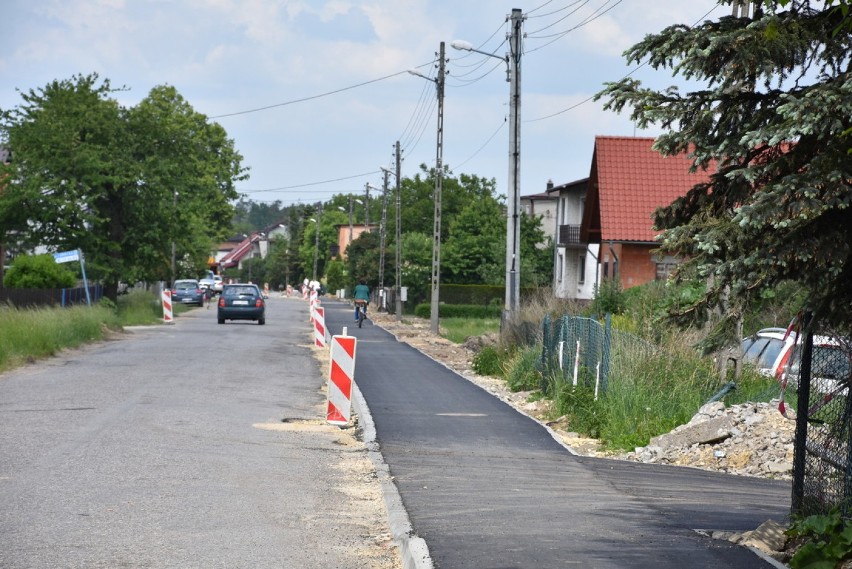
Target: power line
[[311, 98], [309, 184], [632, 71]]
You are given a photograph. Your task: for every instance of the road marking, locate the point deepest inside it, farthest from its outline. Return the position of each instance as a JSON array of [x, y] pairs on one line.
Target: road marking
[[461, 415]]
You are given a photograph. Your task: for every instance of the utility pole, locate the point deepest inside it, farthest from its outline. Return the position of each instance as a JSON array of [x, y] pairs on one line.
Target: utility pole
[[316, 239], [439, 172], [382, 231], [398, 236], [513, 221], [367, 207]]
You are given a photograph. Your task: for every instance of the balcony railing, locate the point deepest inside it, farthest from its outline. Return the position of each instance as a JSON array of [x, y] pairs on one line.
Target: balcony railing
[[569, 235]]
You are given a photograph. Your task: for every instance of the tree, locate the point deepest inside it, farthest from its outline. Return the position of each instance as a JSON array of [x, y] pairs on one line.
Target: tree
[[38, 271], [416, 270], [772, 126], [475, 252], [536, 253], [123, 185]]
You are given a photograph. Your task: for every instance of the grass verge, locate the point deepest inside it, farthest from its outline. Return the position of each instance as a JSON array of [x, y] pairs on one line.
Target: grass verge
[[28, 334]]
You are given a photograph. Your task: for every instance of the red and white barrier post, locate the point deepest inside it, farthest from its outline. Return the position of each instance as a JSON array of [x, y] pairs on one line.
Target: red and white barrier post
[[167, 307], [340, 378], [319, 326]]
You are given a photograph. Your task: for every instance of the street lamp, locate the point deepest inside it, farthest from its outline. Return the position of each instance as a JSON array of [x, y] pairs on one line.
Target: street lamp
[[436, 234], [316, 240], [513, 226]]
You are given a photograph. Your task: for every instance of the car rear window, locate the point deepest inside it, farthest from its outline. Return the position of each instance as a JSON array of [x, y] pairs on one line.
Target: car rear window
[[240, 290], [185, 285]]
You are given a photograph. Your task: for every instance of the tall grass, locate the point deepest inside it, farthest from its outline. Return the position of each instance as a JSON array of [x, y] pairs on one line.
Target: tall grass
[[460, 329], [29, 334]]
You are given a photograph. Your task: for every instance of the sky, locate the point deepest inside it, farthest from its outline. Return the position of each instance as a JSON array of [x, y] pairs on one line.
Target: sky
[[315, 94]]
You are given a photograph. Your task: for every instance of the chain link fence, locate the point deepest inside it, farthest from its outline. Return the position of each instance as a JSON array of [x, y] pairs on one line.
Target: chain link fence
[[820, 372]]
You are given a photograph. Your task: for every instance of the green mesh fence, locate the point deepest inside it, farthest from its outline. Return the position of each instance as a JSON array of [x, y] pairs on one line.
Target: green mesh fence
[[577, 350]]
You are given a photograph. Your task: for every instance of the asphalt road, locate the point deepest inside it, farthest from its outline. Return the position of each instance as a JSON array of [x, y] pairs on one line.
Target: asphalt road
[[488, 488], [160, 451]]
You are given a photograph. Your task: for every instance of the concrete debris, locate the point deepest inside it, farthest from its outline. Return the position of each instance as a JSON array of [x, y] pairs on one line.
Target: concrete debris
[[751, 439]]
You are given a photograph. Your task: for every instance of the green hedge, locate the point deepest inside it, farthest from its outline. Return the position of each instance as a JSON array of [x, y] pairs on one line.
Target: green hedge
[[459, 311], [472, 294]]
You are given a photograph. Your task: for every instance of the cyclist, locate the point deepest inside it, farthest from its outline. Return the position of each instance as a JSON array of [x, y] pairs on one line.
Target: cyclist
[[362, 297]]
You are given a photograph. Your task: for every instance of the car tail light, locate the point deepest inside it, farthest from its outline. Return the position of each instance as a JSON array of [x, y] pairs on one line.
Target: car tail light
[[258, 303], [222, 302]]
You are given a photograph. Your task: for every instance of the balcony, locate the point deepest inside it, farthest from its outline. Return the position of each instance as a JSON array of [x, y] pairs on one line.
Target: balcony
[[569, 236]]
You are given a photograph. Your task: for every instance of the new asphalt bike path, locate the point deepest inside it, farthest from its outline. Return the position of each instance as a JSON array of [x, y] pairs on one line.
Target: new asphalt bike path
[[484, 486]]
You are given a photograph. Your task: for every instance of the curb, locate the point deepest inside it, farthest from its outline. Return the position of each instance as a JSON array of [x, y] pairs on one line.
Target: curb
[[413, 549]]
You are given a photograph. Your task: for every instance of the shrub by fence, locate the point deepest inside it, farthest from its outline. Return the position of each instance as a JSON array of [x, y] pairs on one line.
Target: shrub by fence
[[27, 297]]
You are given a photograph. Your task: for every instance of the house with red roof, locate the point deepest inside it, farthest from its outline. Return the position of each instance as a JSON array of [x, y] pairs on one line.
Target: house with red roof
[[628, 181]]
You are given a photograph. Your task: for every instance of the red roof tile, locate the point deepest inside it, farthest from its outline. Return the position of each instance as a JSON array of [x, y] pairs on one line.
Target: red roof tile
[[628, 181]]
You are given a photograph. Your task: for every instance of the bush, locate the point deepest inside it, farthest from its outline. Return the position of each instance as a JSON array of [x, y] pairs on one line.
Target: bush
[[521, 372], [38, 271], [490, 361]]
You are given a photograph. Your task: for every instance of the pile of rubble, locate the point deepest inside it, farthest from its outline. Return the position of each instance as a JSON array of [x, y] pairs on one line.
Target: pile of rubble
[[753, 439]]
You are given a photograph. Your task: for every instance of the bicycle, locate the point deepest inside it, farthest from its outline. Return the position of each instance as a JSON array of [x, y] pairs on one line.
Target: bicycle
[[361, 308]]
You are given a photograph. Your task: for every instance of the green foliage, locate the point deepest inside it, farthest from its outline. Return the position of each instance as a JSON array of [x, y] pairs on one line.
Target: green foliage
[[416, 266], [584, 413], [609, 298], [121, 184], [460, 329], [140, 308], [490, 361], [521, 372], [362, 260], [476, 244], [458, 311], [829, 541], [770, 126], [473, 294], [38, 271], [335, 276], [536, 254], [37, 333]]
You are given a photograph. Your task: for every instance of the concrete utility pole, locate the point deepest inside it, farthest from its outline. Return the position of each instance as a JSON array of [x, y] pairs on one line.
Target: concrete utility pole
[[382, 231], [398, 283], [513, 220], [367, 207], [439, 174]]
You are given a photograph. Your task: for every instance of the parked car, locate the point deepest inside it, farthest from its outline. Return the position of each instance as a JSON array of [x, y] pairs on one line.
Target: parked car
[[207, 283], [241, 302], [768, 350], [831, 367], [217, 283], [188, 291], [777, 353]]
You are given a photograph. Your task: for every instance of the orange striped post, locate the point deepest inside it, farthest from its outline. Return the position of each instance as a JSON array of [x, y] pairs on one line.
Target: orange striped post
[[167, 307], [340, 378]]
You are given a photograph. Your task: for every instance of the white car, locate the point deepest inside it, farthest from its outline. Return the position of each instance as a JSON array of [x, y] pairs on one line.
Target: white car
[[217, 283]]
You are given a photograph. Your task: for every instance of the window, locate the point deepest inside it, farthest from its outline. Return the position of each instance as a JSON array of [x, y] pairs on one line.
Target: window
[[581, 269], [560, 261], [665, 266]]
